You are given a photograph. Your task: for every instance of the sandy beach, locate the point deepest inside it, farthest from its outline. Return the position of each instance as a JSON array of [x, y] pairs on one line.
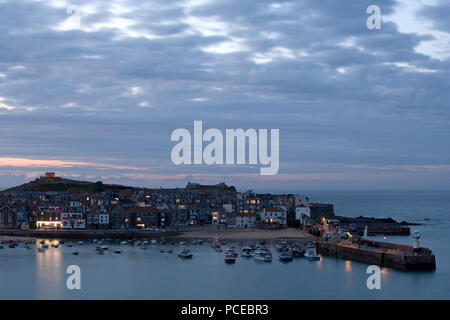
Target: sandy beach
[[289, 233]]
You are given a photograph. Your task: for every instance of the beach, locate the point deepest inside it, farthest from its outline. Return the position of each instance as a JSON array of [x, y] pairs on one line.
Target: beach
[[288, 233]]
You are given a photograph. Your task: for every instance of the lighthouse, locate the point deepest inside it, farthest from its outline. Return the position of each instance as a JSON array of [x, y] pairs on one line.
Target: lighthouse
[[416, 241]]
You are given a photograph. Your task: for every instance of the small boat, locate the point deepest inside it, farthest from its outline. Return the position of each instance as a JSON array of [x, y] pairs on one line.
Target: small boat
[[200, 242], [144, 247], [286, 256], [311, 253], [99, 251], [12, 245], [297, 251], [154, 242], [170, 251], [69, 245], [185, 254], [55, 245], [145, 242], [229, 258], [29, 249], [219, 249], [94, 240], [161, 250], [117, 251], [45, 246], [231, 251], [247, 252], [42, 242], [263, 255], [124, 242], [61, 241], [104, 247], [75, 253], [1, 247], [183, 243], [80, 243]]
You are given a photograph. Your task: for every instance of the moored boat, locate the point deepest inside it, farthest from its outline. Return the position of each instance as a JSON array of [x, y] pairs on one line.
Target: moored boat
[[229, 258], [263, 255], [247, 252], [311, 253], [285, 256], [185, 254]]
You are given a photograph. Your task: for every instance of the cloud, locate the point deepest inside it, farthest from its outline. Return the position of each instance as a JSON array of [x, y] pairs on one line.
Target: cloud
[[338, 92]]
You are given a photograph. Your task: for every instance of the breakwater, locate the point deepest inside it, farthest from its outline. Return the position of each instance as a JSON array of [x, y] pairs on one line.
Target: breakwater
[[86, 234], [380, 253]]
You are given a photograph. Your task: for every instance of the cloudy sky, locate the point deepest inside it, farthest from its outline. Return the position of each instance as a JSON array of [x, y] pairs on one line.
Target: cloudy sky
[[356, 108]]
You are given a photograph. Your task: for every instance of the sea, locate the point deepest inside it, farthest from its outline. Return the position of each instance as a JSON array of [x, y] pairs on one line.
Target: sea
[[139, 273]]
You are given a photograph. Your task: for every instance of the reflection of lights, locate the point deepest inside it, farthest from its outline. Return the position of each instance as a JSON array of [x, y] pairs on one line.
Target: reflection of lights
[[348, 265]]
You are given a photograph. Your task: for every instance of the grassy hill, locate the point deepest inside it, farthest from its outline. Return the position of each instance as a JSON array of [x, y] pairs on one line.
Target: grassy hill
[[66, 185]]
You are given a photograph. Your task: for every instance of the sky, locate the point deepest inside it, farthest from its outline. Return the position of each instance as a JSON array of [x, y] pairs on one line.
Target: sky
[[356, 108]]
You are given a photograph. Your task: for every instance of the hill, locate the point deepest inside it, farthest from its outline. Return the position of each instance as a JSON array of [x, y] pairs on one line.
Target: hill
[[58, 184]]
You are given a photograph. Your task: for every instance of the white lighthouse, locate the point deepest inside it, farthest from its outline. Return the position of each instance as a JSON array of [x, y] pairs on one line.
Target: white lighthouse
[[416, 239]]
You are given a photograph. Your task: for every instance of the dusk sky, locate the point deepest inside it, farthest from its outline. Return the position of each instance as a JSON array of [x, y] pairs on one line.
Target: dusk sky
[[356, 108]]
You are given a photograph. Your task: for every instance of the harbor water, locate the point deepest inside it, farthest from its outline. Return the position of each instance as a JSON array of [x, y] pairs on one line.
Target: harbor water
[[139, 273]]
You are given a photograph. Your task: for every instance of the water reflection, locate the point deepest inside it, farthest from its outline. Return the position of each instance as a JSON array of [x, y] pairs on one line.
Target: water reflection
[[49, 271]]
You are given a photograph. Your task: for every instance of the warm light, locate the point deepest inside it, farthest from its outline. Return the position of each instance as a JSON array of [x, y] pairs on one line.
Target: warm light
[[139, 219]]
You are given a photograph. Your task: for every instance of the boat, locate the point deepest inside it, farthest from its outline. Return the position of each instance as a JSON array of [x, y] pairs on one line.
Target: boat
[[55, 245], [104, 247], [80, 243], [69, 245], [99, 251], [117, 251], [154, 242], [42, 242], [170, 251], [45, 246], [247, 252], [124, 242], [185, 254], [311, 253], [1, 247], [75, 253], [263, 255], [285, 256], [219, 249], [61, 241], [231, 251], [94, 240], [144, 247], [161, 250], [297, 251], [229, 258]]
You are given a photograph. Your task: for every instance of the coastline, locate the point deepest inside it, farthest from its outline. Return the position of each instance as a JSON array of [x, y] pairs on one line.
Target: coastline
[[245, 234]]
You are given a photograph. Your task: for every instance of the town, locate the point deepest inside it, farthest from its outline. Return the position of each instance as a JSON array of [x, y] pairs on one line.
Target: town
[[81, 205]]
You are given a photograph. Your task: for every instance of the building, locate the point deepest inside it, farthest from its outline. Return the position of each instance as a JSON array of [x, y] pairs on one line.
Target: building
[[300, 210], [8, 218], [48, 217], [276, 214], [73, 220], [246, 220]]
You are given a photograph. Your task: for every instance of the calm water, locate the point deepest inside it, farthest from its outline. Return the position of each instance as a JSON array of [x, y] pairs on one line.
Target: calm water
[[149, 274]]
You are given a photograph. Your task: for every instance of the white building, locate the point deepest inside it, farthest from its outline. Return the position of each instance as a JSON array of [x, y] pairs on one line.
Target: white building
[[275, 214], [245, 220], [302, 210]]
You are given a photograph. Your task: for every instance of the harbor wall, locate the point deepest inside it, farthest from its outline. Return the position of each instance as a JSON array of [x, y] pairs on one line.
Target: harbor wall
[[394, 258]]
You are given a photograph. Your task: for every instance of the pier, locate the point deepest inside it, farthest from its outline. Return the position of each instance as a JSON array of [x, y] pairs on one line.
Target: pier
[[383, 254]]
